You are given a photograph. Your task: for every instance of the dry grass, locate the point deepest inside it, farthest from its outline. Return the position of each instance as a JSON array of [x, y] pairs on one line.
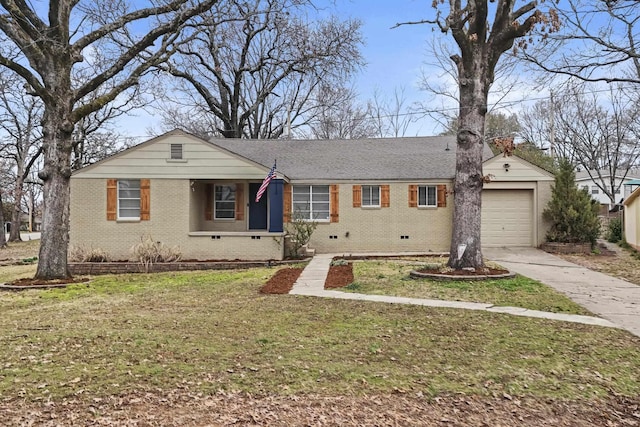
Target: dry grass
[[215, 331], [623, 265], [20, 250], [205, 347]]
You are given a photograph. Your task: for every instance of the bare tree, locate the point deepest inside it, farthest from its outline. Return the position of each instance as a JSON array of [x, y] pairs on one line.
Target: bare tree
[[20, 116], [596, 130], [497, 125], [538, 126], [339, 116], [440, 81], [604, 140], [481, 42], [392, 116], [66, 50], [598, 42], [254, 76]]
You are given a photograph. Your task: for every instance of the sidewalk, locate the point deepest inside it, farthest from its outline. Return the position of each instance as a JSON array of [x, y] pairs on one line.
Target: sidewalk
[[311, 283]]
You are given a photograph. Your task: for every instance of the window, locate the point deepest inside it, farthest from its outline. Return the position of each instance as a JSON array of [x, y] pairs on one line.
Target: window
[[371, 196], [311, 202], [427, 196], [585, 188], [617, 190], [176, 151], [595, 189], [224, 204], [129, 198]]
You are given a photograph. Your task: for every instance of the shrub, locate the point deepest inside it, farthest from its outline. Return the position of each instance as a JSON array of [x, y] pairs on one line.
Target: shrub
[[614, 230], [300, 230], [149, 252], [82, 254], [572, 211]]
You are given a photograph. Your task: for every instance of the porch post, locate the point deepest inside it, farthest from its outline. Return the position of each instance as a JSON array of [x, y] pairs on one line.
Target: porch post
[[276, 200]]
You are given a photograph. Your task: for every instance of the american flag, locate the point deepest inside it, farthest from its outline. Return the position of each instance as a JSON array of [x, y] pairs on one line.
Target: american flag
[[265, 183]]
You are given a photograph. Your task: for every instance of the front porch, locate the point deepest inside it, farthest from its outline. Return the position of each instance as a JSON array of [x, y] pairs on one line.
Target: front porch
[[225, 218]]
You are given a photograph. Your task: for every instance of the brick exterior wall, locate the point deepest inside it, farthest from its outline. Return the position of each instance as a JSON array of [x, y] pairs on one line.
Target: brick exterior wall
[[363, 229], [168, 223], [176, 209]]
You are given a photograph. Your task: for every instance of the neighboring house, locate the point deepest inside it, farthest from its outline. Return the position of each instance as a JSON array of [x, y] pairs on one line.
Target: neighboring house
[[34, 225], [583, 180], [373, 195], [631, 228]]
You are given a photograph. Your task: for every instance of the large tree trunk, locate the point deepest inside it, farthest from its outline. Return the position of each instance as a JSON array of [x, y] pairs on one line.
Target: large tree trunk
[[16, 214], [3, 238], [465, 248], [56, 173]]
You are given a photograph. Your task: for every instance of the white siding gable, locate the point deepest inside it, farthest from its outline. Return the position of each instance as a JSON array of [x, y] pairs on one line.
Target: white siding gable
[[152, 159], [513, 168]]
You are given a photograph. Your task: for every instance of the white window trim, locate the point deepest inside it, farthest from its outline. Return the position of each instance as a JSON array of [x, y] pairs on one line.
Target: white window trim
[[127, 218], [362, 201], [215, 211], [327, 220], [426, 196]]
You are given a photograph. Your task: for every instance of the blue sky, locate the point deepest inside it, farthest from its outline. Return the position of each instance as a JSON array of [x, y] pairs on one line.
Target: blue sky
[[394, 57]]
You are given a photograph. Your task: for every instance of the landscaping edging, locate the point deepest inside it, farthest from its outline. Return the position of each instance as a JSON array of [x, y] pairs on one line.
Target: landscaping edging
[[451, 277], [96, 268]]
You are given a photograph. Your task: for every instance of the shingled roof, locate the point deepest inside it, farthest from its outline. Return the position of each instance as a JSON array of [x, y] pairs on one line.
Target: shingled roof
[[431, 157]]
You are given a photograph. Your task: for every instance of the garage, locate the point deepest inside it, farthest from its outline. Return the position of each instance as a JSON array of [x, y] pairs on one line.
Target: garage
[[507, 217]]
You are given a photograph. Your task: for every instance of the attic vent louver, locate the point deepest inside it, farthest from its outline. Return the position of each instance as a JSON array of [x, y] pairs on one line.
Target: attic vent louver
[[176, 151]]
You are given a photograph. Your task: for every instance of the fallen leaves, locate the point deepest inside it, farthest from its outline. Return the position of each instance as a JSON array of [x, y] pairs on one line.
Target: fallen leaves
[[183, 408]]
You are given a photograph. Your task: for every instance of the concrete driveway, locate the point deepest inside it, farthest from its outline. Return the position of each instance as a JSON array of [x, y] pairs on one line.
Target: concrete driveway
[[613, 299]]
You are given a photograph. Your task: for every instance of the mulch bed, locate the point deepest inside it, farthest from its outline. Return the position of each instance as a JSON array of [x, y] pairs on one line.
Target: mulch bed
[[282, 281], [339, 276]]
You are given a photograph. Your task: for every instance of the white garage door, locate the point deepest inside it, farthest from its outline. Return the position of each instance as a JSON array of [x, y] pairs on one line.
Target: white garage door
[[507, 218]]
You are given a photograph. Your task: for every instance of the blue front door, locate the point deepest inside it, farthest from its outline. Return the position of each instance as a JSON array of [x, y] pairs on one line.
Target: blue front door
[[257, 211]]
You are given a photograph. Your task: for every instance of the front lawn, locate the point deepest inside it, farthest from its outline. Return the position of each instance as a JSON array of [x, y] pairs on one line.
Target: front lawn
[[213, 331], [391, 277]]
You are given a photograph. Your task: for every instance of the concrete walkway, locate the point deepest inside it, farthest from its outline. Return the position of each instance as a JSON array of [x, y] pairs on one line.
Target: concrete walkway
[[311, 283], [613, 299]]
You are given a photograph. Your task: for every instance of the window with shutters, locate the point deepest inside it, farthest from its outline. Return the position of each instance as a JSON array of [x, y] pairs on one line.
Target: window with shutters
[[176, 151], [371, 196], [427, 196], [129, 199], [311, 202], [224, 202]]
